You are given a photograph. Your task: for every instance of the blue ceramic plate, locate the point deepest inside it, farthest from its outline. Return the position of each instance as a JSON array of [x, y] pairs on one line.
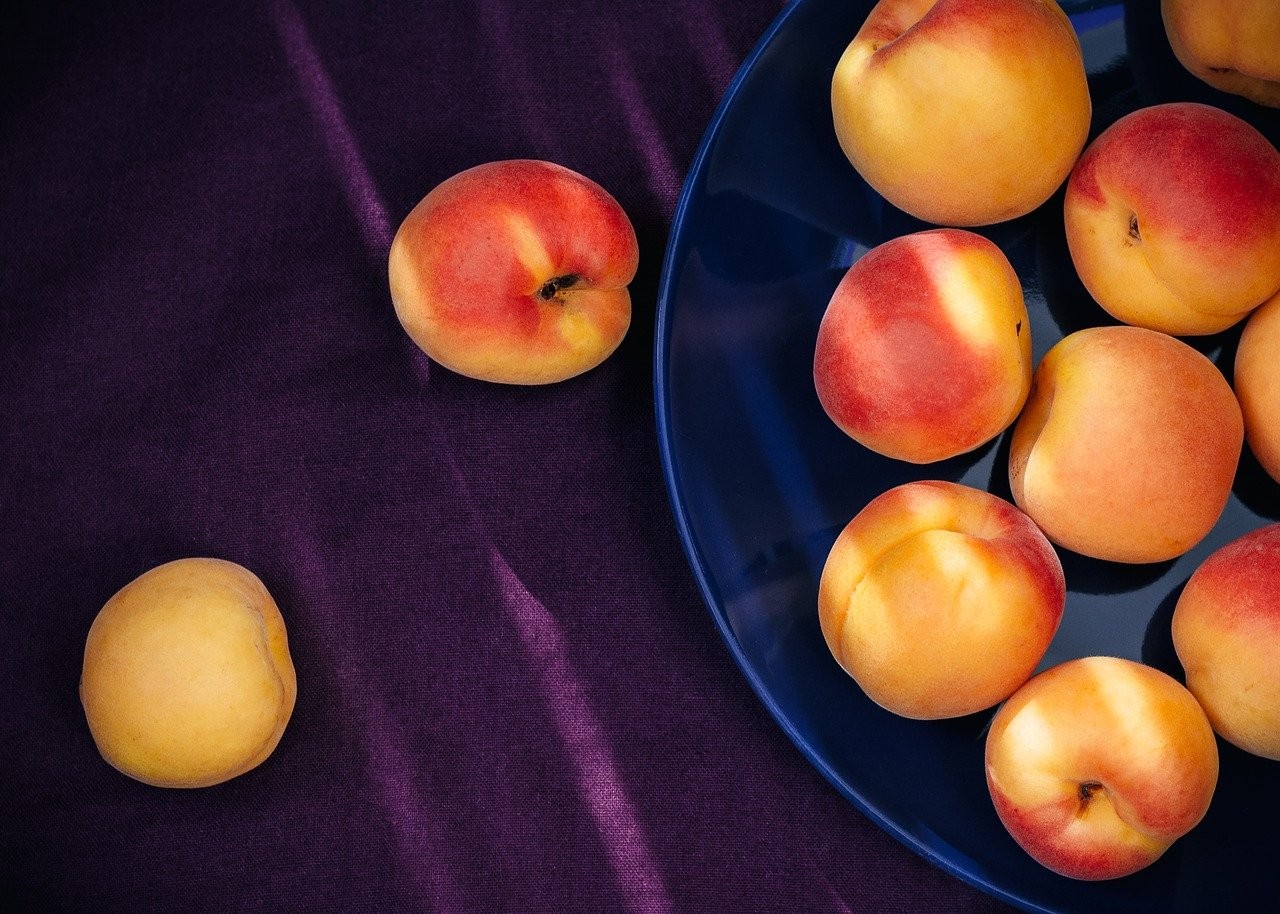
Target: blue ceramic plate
[[761, 481]]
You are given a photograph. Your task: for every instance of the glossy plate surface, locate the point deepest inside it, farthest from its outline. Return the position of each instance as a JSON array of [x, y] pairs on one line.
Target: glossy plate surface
[[762, 482]]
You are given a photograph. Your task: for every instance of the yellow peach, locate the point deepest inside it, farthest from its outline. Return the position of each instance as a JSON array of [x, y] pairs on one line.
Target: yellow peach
[[1128, 445], [187, 679], [963, 112], [939, 599], [1233, 45]]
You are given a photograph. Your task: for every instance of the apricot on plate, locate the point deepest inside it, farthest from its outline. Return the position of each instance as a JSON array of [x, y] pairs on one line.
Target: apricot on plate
[[1173, 218], [963, 113], [1226, 631], [1128, 445], [940, 599], [924, 351], [1257, 377]]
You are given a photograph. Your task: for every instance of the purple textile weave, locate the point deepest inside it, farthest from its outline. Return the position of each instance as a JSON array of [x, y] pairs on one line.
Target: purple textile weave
[[511, 697]]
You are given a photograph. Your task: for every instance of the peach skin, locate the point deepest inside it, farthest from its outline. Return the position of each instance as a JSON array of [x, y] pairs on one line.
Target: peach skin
[[1226, 630], [187, 679], [939, 599], [1098, 765], [924, 351], [1173, 219], [515, 272], [1257, 379], [963, 112], [1128, 445], [1233, 45]]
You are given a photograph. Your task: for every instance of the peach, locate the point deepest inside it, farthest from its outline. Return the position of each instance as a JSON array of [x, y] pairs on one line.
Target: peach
[[924, 351], [1128, 445], [515, 272], [187, 678], [1257, 377], [1233, 45], [939, 600], [1226, 631], [963, 112], [1098, 765], [1173, 218]]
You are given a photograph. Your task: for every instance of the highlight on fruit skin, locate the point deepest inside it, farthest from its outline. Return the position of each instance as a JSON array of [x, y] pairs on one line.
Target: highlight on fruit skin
[[187, 679], [515, 272]]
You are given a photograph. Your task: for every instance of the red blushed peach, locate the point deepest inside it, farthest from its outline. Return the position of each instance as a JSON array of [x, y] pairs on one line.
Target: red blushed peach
[[1128, 445], [515, 271], [1098, 765], [1230, 44], [1257, 377], [1226, 630], [963, 112], [1173, 219], [939, 600], [924, 351]]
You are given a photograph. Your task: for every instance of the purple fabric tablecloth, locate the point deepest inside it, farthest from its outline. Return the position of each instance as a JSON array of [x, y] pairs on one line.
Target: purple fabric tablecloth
[[511, 696]]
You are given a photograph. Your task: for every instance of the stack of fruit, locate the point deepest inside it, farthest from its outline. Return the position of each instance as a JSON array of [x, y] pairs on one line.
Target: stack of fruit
[[1125, 440]]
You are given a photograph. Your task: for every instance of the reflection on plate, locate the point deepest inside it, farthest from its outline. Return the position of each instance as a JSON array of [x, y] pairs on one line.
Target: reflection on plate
[[761, 481]]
